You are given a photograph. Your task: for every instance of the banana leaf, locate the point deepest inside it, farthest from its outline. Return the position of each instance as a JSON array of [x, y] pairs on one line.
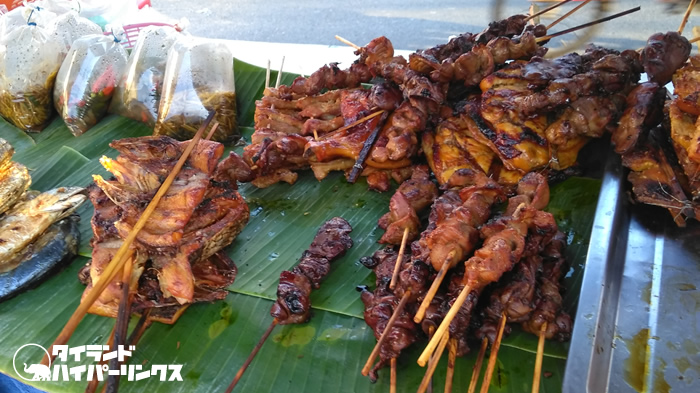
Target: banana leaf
[[212, 340]]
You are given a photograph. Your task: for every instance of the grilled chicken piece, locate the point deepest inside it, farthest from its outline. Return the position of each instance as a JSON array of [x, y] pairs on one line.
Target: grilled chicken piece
[[654, 181], [644, 111], [685, 135], [686, 86], [663, 55]]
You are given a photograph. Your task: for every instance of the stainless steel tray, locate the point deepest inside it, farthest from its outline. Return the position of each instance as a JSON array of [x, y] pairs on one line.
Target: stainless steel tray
[[638, 319]]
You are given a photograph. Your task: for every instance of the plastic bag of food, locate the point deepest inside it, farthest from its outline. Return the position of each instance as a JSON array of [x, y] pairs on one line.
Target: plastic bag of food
[[20, 16], [198, 79], [27, 76], [137, 95], [69, 26], [86, 81]]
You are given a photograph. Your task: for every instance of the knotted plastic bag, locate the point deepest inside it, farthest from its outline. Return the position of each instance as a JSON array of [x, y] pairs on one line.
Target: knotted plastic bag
[[20, 16], [27, 75], [137, 95], [198, 79], [86, 81]]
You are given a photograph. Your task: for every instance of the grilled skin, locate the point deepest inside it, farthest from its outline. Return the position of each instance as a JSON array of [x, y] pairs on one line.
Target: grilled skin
[[27, 220]]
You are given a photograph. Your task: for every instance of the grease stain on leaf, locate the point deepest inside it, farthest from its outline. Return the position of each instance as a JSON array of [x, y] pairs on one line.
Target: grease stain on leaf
[[293, 335], [334, 333], [227, 317]]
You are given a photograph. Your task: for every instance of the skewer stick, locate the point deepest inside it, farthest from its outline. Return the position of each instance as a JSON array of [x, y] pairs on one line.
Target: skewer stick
[[346, 42], [578, 7], [477, 366], [430, 348], [399, 308], [532, 11], [538, 360], [583, 26], [255, 351], [121, 324], [94, 382], [399, 258], [433, 363], [392, 386], [694, 40], [315, 135], [493, 356], [447, 265], [141, 326], [267, 75], [451, 358], [545, 10], [125, 250], [686, 16], [279, 75], [212, 131], [431, 332], [359, 165]]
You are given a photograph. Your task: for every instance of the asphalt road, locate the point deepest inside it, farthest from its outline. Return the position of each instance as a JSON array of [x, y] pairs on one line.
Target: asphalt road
[[409, 24]]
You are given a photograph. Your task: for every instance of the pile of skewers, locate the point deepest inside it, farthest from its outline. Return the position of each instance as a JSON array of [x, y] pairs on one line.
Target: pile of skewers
[[515, 258], [159, 226], [492, 118]]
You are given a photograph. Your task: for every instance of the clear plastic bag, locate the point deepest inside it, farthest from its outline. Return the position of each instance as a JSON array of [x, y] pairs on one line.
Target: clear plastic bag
[[20, 16], [27, 74], [70, 26], [86, 81], [198, 79], [137, 95]]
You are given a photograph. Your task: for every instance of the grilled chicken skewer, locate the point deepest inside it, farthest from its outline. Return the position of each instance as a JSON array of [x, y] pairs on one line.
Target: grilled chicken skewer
[[293, 303]]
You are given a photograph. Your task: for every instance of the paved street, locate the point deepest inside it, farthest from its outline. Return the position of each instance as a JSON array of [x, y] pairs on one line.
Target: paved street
[[409, 24]]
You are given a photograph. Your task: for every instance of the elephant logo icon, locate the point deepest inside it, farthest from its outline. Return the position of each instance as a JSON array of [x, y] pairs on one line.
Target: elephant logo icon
[[39, 372]]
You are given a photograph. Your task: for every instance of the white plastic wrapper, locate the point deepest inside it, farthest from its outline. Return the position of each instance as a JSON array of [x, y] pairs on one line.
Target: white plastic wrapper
[[86, 81], [137, 95], [198, 79], [27, 74]]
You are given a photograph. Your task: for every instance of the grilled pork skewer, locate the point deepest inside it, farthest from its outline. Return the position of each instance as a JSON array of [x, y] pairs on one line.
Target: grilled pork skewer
[[293, 303]]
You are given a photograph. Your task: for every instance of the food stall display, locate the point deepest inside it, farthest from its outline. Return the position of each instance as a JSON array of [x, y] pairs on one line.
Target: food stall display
[[480, 164]]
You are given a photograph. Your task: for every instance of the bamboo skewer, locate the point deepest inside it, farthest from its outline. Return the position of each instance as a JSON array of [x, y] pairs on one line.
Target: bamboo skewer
[[545, 10], [250, 358], [447, 265], [433, 363], [267, 75], [279, 75], [94, 382], [346, 42], [595, 22], [578, 7], [212, 131], [431, 332], [385, 333], [392, 386], [399, 258], [451, 358], [124, 251], [493, 356], [476, 371], [538, 359], [686, 16], [444, 325], [694, 40], [121, 324]]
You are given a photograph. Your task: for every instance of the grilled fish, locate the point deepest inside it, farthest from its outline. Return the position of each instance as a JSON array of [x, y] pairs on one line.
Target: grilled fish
[[27, 220], [56, 246], [14, 181]]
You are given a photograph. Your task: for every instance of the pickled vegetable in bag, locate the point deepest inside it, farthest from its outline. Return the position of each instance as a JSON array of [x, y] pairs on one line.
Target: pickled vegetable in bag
[[198, 79], [86, 81], [137, 95], [27, 75]]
